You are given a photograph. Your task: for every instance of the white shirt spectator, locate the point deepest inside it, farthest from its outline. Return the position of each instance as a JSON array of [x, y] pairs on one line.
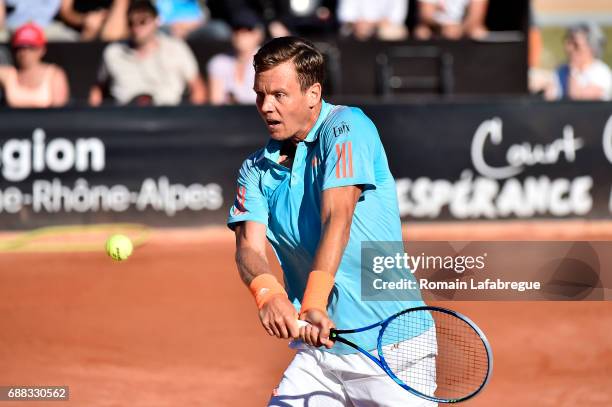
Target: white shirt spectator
[[450, 11], [395, 11], [223, 67], [597, 74], [162, 75]]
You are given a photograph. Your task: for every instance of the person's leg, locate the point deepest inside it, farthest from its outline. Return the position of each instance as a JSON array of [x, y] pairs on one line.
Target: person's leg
[[306, 383], [366, 385], [381, 391]]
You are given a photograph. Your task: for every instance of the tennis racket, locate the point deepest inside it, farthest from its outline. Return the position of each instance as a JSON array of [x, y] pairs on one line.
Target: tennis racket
[[464, 360]]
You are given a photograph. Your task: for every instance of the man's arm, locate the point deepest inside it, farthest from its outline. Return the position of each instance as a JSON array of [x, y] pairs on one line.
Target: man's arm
[[69, 15], [589, 92], [474, 23], [197, 91], [426, 21], [277, 315], [95, 96], [60, 88], [337, 208], [116, 25], [427, 12]]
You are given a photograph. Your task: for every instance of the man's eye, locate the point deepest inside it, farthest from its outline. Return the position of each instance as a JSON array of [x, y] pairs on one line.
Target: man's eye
[[279, 95]]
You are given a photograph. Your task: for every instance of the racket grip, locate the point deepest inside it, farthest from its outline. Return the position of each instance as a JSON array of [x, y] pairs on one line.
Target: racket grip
[[332, 334], [302, 323]]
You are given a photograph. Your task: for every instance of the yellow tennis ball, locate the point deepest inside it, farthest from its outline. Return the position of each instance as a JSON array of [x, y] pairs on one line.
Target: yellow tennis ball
[[119, 247]]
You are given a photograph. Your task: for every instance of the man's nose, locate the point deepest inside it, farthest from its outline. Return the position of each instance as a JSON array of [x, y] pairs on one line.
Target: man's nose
[[268, 104]]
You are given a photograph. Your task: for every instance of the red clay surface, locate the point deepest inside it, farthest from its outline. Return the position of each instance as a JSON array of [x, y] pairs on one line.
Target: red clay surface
[[173, 326]]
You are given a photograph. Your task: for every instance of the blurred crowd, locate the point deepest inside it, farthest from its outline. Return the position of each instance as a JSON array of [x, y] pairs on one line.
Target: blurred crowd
[[583, 76], [148, 62]]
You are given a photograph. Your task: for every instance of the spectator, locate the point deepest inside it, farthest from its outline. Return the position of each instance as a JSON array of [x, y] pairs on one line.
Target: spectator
[[452, 19], [40, 12], [584, 76], [150, 67], [188, 19], [231, 77], [31, 82], [96, 19], [274, 13], [366, 18]]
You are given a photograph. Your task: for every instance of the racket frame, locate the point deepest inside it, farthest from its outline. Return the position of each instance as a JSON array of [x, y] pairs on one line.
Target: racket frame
[[380, 361]]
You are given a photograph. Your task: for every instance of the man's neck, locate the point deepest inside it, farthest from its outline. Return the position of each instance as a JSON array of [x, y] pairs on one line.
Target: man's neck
[[583, 63], [301, 136], [147, 47]]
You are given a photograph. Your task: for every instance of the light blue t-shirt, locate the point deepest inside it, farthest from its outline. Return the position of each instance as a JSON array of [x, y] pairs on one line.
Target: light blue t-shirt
[[40, 12], [173, 11], [343, 148]]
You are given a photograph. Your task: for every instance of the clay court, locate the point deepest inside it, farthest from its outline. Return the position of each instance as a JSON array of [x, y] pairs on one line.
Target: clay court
[[173, 326]]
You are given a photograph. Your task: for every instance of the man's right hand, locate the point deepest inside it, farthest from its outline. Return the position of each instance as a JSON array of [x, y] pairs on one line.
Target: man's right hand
[[279, 318]]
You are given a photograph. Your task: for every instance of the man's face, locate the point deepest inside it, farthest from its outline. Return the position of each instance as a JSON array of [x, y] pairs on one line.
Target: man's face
[[143, 26], [577, 47], [286, 110]]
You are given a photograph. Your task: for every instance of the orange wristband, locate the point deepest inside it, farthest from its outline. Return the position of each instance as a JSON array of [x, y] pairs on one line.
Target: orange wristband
[[320, 284], [265, 286]]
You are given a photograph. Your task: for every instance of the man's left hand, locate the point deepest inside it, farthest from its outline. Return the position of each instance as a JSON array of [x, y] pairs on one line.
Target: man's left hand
[[317, 333]]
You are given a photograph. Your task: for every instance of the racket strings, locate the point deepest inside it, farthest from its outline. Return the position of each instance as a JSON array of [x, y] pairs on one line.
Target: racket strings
[[410, 342]]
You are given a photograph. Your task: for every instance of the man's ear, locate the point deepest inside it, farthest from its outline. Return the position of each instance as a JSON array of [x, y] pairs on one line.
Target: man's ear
[[314, 95]]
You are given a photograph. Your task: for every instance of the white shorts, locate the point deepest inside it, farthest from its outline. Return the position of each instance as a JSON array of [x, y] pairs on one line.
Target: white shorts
[[316, 378]]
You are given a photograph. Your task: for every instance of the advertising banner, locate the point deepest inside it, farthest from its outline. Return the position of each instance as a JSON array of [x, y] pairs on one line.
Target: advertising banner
[[178, 166]]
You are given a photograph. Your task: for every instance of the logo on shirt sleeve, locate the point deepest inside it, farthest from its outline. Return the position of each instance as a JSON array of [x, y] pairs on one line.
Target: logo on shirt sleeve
[[342, 129], [344, 164], [239, 207]]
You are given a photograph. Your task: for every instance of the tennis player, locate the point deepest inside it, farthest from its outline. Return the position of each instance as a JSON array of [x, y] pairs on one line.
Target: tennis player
[[318, 189]]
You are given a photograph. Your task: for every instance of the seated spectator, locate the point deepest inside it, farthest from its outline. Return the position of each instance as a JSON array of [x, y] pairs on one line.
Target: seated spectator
[[366, 18], [40, 12], [31, 82], [96, 19], [274, 13], [188, 19], [452, 19], [148, 68], [231, 77], [584, 76]]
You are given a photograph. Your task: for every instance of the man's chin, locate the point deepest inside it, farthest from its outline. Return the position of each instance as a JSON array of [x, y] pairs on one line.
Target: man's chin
[[278, 136]]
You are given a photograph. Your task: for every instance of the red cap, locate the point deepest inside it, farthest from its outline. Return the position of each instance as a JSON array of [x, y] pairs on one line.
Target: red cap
[[29, 35]]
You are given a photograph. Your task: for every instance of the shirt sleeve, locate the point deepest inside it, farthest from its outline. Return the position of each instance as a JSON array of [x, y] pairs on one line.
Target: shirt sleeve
[[249, 204], [351, 147]]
